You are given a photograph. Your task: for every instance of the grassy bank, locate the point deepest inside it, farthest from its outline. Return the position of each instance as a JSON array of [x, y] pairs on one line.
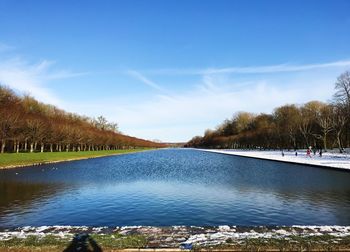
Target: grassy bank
[[117, 242], [53, 243], [8, 160], [178, 238]]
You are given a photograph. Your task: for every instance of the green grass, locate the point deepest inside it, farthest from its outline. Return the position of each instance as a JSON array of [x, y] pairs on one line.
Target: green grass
[[54, 243], [35, 241], [18, 159], [116, 242]]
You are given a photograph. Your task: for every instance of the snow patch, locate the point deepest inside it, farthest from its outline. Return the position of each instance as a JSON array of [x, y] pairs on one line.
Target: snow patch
[[328, 159]]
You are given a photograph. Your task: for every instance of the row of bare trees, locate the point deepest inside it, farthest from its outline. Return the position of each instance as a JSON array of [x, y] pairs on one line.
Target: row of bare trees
[[317, 124], [27, 125]]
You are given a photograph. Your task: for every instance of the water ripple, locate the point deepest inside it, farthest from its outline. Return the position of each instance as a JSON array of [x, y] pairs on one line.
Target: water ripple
[[173, 187]]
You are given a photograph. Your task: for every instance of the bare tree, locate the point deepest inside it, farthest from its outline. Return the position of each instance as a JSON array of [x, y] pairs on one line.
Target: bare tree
[[35, 129], [342, 87], [305, 125], [8, 126], [339, 120], [287, 121], [324, 120]]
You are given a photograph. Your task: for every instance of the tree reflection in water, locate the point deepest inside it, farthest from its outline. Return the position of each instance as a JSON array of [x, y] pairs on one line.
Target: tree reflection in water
[[22, 195]]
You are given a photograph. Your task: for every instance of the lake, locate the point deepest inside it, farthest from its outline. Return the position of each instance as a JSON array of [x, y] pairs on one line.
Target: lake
[[173, 187]]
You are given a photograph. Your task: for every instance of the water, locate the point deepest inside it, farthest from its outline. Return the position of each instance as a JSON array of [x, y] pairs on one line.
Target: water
[[173, 187]]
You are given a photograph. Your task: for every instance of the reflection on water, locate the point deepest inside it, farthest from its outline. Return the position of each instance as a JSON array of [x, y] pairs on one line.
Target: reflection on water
[[173, 187], [21, 194]]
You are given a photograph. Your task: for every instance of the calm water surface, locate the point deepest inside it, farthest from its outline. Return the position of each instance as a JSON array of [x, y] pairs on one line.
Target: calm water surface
[[173, 187]]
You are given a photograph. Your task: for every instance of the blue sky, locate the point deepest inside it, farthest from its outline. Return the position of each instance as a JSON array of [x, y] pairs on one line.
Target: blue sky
[[168, 70]]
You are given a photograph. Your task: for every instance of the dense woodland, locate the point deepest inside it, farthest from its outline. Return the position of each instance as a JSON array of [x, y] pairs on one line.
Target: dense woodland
[[27, 125], [317, 124]]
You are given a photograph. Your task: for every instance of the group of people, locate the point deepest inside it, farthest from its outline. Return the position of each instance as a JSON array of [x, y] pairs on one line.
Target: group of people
[[308, 152], [314, 150]]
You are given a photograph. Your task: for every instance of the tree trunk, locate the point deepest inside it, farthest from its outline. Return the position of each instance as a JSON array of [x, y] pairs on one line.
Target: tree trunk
[[17, 147], [41, 147], [51, 147], [35, 145], [3, 145], [339, 142], [294, 142], [31, 147], [67, 147], [60, 148], [325, 142], [306, 140], [25, 145]]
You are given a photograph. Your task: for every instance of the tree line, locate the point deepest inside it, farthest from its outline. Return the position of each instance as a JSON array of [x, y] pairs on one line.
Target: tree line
[[292, 126], [27, 125]]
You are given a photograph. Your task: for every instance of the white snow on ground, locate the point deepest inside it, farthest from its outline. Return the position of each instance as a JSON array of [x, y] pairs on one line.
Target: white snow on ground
[[328, 159], [184, 235], [215, 238]]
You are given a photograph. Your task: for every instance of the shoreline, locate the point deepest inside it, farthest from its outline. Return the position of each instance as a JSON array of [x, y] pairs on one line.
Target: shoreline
[[328, 161], [31, 164], [175, 238]]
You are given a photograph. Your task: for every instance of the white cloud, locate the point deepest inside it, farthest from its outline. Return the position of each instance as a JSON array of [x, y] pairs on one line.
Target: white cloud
[[180, 116], [64, 74], [144, 80], [220, 94], [32, 78], [276, 68], [251, 70]]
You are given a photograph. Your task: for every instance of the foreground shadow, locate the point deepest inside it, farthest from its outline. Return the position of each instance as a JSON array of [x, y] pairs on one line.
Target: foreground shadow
[[83, 243]]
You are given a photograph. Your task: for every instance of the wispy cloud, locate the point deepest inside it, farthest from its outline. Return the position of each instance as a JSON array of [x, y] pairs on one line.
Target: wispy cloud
[[178, 114], [250, 70], [144, 80], [64, 74], [216, 94], [183, 114], [33, 78], [276, 68]]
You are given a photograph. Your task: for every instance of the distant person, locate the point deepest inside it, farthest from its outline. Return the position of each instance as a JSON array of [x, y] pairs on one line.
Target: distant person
[[314, 150], [296, 153], [321, 152], [282, 153], [308, 152]]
